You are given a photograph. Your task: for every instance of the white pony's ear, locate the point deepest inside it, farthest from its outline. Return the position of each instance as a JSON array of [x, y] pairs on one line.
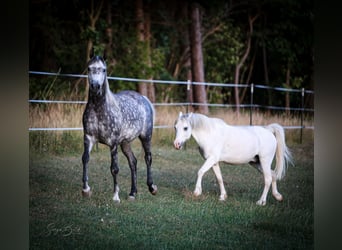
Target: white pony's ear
[[190, 114], [180, 114]]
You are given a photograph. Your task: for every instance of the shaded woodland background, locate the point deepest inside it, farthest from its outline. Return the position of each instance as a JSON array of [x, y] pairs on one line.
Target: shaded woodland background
[[259, 41]]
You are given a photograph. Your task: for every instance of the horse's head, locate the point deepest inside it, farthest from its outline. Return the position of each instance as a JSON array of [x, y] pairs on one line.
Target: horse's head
[[96, 74], [182, 129]]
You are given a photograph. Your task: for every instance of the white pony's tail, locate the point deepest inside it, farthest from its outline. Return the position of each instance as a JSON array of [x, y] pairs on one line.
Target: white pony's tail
[[283, 154]]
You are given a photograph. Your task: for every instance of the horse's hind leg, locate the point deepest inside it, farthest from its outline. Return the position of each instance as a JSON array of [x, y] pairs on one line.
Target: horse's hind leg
[[132, 161], [275, 192], [114, 169], [146, 143], [266, 169]]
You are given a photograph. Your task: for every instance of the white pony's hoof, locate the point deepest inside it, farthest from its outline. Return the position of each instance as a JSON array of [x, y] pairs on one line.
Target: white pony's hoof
[[278, 197], [197, 192], [261, 203], [223, 197]]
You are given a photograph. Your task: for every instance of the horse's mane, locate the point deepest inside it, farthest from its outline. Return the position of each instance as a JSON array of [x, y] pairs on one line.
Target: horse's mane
[[199, 121]]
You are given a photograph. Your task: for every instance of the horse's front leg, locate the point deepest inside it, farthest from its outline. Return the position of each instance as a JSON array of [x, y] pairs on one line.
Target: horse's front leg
[[219, 178], [88, 144], [206, 166], [114, 169]]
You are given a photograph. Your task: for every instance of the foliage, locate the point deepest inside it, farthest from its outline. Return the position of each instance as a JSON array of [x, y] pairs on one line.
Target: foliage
[[60, 31]]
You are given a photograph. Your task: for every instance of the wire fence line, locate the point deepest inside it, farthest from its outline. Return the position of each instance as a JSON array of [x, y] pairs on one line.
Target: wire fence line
[[156, 126], [251, 105], [187, 103], [174, 82]]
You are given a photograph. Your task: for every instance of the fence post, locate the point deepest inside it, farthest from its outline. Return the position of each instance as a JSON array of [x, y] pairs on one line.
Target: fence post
[[251, 107], [188, 96], [302, 116], [188, 101]]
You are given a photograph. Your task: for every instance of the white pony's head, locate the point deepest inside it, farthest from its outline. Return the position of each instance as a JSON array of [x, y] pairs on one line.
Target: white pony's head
[[182, 129]]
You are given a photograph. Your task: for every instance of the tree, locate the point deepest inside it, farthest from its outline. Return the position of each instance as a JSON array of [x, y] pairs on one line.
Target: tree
[[93, 14], [251, 21], [144, 34], [200, 95], [159, 39]]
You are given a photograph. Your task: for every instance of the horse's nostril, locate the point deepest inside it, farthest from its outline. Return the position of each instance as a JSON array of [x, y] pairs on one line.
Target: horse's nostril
[[95, 86]]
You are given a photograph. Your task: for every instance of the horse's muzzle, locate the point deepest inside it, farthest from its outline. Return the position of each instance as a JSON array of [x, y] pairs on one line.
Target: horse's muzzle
[[96, 88], [178, 145]]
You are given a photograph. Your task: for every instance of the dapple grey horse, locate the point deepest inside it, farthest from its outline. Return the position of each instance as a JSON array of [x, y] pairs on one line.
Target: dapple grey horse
[[113, 120]]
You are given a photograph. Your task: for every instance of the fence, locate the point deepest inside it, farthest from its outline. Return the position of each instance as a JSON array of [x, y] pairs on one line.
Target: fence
[[252, 106]]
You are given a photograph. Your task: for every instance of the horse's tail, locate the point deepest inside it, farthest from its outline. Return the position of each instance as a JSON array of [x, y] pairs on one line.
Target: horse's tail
[[283, 154]]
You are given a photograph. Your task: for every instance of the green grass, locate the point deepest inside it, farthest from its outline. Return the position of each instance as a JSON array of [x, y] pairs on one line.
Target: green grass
[[60, 218]]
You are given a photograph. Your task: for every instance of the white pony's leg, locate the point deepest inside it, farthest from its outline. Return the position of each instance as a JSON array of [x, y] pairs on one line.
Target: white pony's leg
[[275, 192], [116, 194], [206, 166], [218, 174], [266, 168]]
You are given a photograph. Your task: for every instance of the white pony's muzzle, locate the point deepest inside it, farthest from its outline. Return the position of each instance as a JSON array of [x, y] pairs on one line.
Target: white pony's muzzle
[[178, 145]]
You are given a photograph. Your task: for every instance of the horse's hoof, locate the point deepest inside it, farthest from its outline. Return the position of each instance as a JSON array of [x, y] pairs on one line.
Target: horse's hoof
[[261, 203], [223, 197], [197, 193], [278, 197], [131, 198], [86, 193], [116, 200], [153, 189]]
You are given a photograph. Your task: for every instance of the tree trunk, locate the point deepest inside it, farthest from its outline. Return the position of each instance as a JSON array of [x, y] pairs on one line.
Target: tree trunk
[[241, 62], [144, 34], [109, 30], [139, 14], [250, 71], [150, 86], [94, 15], [185, 60], [200, 95], [267, 81], [287, 94]]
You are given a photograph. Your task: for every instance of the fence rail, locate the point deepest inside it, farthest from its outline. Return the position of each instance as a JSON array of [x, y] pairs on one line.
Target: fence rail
[[251, 105]]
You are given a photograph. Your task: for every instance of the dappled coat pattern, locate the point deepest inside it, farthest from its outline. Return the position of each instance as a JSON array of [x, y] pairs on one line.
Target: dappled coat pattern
[[116, 119]]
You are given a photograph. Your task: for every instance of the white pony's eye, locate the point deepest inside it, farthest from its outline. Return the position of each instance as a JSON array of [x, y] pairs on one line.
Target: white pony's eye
[[185, 128]]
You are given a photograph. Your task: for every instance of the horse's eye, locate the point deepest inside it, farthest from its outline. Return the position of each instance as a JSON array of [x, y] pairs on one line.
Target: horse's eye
[[103, 70], [88, 68], [185, 128]]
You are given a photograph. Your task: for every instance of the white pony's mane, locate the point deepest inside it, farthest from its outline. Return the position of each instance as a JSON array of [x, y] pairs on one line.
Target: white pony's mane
[[199, 121]]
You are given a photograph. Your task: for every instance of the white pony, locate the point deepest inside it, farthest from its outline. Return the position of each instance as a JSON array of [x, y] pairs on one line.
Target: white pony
[[219, 141]]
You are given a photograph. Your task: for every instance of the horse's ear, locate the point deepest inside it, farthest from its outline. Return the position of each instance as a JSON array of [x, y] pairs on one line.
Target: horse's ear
[[190, 114], [180, 114]]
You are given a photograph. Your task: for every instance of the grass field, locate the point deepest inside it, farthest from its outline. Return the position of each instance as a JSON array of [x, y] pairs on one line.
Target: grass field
[[60, 218]]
